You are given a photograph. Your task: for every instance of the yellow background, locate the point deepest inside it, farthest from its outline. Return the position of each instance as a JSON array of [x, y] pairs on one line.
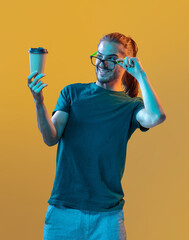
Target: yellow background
[[156, 179]]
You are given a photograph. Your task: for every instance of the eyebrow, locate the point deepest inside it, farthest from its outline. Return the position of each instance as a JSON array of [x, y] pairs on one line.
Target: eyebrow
[[109, 54]]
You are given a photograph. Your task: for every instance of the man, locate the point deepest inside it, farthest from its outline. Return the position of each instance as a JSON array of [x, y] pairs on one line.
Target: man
[[92, 123]]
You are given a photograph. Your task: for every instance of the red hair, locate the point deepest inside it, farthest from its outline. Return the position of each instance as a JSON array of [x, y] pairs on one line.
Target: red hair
[[129, 83]]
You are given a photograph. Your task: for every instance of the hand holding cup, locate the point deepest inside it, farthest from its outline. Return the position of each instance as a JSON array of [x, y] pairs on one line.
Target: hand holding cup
[[37, 64], [36, 86]]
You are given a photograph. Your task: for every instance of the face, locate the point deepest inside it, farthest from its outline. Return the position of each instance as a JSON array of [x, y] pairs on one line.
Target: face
[[106, 49]]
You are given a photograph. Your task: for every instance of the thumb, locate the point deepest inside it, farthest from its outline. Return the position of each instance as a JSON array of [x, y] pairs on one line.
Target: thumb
[[119, 60], [120, 64]]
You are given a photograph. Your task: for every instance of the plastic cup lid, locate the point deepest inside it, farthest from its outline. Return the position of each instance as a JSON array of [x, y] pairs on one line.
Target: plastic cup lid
[[38, 50]]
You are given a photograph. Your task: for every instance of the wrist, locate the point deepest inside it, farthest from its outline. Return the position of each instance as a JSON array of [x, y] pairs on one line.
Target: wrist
[[38, 103], [141, 75]]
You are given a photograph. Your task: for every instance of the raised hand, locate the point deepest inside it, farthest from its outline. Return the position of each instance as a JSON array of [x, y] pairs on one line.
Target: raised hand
[[36, 86]]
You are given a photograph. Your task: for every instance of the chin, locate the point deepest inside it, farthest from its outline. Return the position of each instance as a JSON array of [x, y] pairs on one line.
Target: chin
[[105, 80]]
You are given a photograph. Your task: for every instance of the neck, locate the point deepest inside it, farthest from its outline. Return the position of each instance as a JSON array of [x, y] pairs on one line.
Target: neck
[[110, 86]]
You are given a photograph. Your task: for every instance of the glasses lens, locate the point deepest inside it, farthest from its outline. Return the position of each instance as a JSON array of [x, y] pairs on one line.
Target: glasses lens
[[107, 64]]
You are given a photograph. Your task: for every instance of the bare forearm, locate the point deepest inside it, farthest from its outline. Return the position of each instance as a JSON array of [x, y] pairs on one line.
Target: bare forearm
[[45, 124], [151, 101]]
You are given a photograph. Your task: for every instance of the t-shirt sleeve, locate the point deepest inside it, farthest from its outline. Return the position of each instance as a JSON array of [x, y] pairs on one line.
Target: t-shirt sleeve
[[138, 105], [63, 102]]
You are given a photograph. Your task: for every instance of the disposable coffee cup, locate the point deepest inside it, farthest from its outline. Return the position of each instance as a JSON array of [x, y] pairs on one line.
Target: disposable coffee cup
[[37, 59]]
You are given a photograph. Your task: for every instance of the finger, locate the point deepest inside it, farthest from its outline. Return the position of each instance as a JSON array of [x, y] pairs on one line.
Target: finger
[[118, 60], [41, 87], [36, 79], [31, 76], [121, 64], [127, 61], [36, 86], [132, 63]]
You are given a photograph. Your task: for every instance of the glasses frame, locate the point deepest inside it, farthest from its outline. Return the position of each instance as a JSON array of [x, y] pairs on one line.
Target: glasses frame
[[101, 60]]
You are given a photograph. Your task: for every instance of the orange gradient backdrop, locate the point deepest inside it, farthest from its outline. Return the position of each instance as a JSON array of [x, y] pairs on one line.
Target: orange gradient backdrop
[[156, 179]]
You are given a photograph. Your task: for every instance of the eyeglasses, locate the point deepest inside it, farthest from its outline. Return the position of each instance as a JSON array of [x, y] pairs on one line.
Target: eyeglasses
[[108, 64]]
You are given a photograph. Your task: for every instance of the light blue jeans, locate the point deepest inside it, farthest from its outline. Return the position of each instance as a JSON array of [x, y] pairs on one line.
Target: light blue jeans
[[73, 224]]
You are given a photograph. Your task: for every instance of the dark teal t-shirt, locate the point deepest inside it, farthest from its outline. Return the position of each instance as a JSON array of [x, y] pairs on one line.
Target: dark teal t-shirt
[[91, 153]]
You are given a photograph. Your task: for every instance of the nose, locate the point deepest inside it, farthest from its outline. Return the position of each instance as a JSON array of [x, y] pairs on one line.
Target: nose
[[102, 64]]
